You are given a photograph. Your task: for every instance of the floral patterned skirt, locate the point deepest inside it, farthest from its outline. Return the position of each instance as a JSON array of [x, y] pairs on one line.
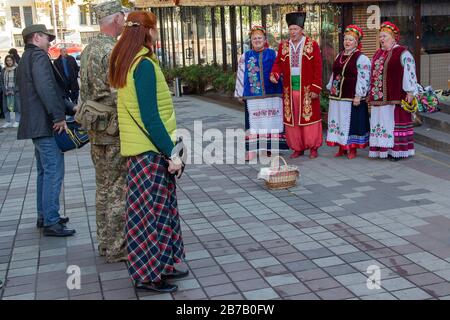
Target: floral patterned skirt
[[348, 126]]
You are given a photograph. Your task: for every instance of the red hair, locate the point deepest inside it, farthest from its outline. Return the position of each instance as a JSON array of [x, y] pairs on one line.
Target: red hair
[[135, 36]]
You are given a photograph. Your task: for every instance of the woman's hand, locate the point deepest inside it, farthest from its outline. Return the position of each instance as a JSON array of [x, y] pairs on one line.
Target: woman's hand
[[313, 95], [174, 168], [273, 79], [356, 101], [409, 97]]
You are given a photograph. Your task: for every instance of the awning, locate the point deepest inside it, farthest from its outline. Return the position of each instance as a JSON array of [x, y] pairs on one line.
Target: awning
[[203, 3], [154, 3]]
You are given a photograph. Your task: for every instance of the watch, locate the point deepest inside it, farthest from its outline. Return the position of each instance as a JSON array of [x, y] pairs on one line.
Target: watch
[[176, 160]]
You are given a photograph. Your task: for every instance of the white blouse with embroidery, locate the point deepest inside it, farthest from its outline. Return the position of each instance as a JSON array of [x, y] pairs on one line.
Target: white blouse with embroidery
[[409, 72], [239, 89]]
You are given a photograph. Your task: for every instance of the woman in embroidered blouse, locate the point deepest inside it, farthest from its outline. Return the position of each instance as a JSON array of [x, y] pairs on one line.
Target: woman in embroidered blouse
[[348, 116], [263, 105], [393, 80]]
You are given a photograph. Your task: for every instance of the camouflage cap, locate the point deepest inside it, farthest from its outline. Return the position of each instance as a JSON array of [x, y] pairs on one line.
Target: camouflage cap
[[108, 8], [38, 28]]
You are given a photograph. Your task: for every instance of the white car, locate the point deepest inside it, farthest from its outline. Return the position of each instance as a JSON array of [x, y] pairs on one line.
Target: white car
[[77, 56]]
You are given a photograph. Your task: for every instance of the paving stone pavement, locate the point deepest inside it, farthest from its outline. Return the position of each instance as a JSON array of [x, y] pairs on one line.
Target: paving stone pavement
[[314, 241]]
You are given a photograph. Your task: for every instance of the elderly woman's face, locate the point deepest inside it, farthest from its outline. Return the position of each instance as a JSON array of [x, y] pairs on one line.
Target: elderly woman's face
[[258, 40], [386, 40], [350, 42]]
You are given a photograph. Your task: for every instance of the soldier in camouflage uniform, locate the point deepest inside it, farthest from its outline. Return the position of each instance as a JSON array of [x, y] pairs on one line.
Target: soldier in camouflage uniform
[[110, 166]]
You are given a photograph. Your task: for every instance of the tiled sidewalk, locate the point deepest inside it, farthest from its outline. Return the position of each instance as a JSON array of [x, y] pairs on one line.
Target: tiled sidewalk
[[242, 241]]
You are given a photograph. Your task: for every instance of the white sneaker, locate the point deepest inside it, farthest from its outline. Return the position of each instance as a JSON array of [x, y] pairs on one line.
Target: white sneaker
[[6, 125], [15, 125]]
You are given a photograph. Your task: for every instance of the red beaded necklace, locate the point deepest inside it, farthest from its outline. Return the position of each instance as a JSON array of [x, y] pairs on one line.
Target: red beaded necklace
[[348, 57]]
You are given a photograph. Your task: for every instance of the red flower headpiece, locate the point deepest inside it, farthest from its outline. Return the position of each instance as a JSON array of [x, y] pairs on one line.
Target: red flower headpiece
[[390, 28], [356, 32], [258, 28]]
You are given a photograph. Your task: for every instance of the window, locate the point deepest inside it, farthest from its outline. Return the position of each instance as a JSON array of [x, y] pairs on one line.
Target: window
[[85, 36], [28, 16], [402, 15], [15, 15], [83, 20], [2, 23], [435, 27], [18, 40], [94, 20]]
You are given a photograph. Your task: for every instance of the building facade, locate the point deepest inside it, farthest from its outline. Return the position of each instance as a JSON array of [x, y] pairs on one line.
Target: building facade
[[72, 20], [216, 32]]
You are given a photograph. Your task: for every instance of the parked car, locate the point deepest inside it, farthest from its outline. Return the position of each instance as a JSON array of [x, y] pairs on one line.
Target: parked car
[[77, 56], [55, 49]]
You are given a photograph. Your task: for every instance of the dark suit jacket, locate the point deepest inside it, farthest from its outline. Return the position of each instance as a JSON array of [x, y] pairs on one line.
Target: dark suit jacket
[[72, 79], [42, 102]]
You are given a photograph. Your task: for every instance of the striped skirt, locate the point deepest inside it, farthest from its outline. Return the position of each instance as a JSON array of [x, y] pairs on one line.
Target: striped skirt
[[391, 132], [153, 233]]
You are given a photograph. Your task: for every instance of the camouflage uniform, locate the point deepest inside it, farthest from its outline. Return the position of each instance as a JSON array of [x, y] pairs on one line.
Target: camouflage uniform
[[110, 166]]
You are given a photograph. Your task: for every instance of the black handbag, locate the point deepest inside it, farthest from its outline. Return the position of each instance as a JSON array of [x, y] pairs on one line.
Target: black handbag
[[73, 138]]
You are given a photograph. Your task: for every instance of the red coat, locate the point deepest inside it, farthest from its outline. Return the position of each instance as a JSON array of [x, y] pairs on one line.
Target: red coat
[[310, 81]]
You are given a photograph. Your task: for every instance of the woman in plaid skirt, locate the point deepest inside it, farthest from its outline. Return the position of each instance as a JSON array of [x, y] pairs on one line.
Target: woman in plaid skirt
[[147, 135]]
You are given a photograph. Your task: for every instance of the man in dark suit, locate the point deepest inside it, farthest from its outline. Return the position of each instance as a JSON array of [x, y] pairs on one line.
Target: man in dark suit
[[68, 68], [42, 113]]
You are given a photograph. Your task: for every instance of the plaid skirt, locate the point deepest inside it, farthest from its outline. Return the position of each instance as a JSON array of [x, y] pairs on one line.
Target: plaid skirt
[[153, 233]]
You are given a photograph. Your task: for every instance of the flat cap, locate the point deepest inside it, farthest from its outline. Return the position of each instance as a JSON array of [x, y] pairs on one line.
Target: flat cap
[[38, 28], [108, 8]]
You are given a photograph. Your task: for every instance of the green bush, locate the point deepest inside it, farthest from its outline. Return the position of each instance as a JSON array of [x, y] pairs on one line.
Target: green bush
[[199, 78], [324, 101]]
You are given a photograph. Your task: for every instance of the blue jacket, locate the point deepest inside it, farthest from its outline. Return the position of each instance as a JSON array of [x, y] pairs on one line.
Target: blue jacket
[[258, 66]]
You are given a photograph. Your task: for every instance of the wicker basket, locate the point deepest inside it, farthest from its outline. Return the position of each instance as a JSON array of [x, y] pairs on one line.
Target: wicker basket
[[282, 177]]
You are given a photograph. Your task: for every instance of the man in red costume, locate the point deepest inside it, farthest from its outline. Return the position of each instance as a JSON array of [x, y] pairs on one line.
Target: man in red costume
[[300, 64]]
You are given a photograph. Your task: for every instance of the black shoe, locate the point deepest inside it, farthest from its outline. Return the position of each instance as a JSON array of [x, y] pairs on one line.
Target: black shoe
[[391, 158], [176, 274], [58, 230], [63, 220], [40, 221], [161, 286]]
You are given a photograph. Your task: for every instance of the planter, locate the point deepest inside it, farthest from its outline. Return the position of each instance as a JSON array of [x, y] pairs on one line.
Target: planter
[[188, 89]]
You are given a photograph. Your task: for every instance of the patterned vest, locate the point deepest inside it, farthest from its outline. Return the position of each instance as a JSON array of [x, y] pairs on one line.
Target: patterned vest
[[386, 85], [258, 66], [345, 76], [132, 140]]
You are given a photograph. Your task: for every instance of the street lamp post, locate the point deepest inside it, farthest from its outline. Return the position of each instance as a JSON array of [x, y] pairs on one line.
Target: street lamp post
[[55, 26]]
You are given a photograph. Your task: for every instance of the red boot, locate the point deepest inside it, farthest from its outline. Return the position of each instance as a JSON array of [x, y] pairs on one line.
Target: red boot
[[341, 152], [296, 154], [352, 153], [313, 153]]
